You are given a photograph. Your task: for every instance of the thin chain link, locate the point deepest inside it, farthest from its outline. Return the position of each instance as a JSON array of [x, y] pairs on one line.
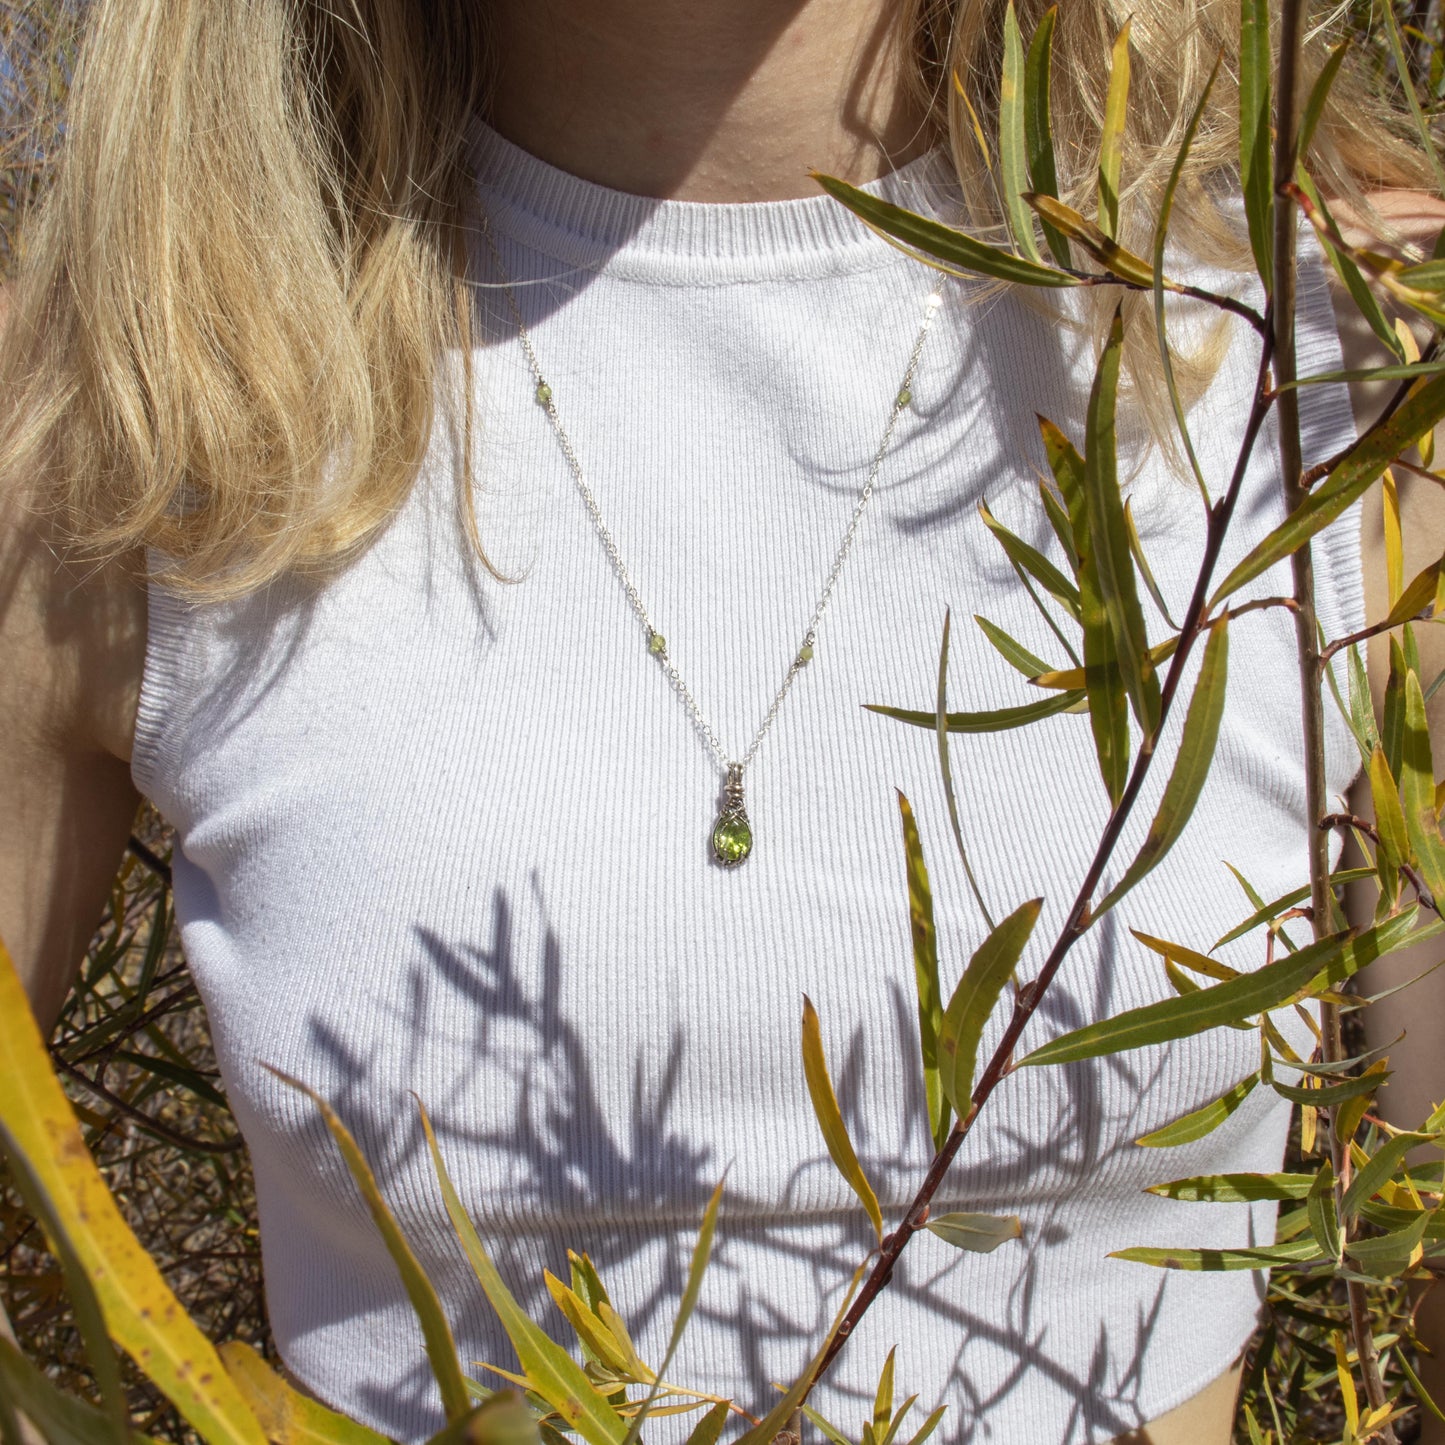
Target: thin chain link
[[548, 401]]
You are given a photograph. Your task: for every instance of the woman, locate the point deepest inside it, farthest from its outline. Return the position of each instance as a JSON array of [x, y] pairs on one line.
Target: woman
[[444, 831]]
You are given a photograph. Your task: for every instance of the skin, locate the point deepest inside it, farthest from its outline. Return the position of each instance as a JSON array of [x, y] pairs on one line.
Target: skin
[[725, 100]]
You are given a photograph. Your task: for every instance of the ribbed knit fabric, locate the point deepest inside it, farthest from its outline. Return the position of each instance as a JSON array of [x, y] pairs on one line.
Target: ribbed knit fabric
[[444, 835]]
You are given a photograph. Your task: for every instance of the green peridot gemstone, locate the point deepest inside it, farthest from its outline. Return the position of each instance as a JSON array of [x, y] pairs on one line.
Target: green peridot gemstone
[[732, 838], [657, 642], [805, 653], [544, 393], [904, 397]]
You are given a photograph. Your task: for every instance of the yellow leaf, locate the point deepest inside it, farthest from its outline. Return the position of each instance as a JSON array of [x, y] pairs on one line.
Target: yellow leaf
[[141, 1313], [1394, 542], [830, 1117], [287, 1416]]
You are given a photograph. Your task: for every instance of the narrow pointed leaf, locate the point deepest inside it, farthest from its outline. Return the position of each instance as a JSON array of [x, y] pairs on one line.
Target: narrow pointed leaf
[[1074, 677], [1136, 548], [1012, 147], [114, 1418], [596, 1339], [1422, 125], [1038, 125], [1113, 257], [1202, 1121], [1109, 538], [1415, 598], [1032, 561], [1319, 94], [989, 969], [1296, 1251], [1199, 963], [286, 1415], [708, 1430], [1059, 520], [1348, 481], [1377, 1170], [57, 1415], [830, 1117], [1326, 1096], [1255, 160], [883, 1398], [701, 1255], [998, 720], [1191, 766], [1161, 236], [928, 1426], [1111, 139], [1390, 1253], [1324, 963], [1235, 1188], [941, 731], [941, 245], [1389, 816], [1392, 724], [1272, 910], [1012, 651], [142, 1315], [440, 1348], [551, 1372], [976, 1233], [925, 973], [1417, 788], [1320, 1211]]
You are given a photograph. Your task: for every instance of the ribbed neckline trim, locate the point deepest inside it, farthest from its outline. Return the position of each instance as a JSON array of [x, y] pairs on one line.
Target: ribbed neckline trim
[[588, 225]]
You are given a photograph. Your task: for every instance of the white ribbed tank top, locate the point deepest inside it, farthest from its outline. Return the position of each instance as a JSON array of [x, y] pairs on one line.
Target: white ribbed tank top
[[443, 835]]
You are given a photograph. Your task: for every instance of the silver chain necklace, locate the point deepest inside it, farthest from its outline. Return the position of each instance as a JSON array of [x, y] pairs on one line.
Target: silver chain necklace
[[732, 833]]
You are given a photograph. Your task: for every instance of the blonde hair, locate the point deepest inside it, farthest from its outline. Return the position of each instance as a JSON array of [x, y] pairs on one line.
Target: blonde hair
[[233, 302]]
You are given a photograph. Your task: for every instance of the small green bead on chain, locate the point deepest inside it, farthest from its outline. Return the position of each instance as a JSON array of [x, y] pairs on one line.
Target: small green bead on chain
[[903, 398], [544, 393], [805, 653], [657, 643]]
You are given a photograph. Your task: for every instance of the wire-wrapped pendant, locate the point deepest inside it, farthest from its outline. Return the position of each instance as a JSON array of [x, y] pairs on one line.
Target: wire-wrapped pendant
[[732, 834]]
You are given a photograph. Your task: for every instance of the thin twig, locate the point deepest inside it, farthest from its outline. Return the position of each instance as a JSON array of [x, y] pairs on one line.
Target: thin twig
[[162, 1131], [1367, 632]]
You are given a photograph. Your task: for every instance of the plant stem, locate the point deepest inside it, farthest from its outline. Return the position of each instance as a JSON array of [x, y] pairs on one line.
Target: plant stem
[[1322, 901], [1079, 920]]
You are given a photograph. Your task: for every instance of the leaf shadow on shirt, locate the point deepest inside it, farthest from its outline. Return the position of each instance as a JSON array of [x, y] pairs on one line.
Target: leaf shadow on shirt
[[565, 1172]]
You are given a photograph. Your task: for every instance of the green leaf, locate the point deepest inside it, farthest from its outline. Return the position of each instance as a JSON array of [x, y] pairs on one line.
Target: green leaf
[[1389, 817], [1338, 255], [1298, 1251], [1161, 235], [1199, 963], [989, 969], [1059, 520], [1362, 709], [1109, 538], [1406, 371], [999, 720], [1392, 726], [1113, 257], [1235, 1188], [113, 1421], [928, 1426], [1379, 1168], [286, 1415], [1012, 148], [586, 1282], [977, 1233], [551, 1372], [1416, 597], [830, 1117], [1038, 124], [883, 1398], [1320, 1211], [1388, 1254], [1269, 911], [1111, 138], [1033, 562], [440, 1347], [1329, 960], [1417, 789], [941, 730], [1012, 651], [597, 1341], [708, 1430], [925, 973], [1350, 478], [1319, 94], [1328, 1095], [1191, 766], [939, 245], [60, 1418], [1255, 162], [1136, 549], [1199, 1122], [1402, 67], [701, 1255]]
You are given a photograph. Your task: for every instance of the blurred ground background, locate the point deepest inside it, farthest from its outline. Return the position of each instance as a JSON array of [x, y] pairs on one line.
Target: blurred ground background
[[133, 1046]]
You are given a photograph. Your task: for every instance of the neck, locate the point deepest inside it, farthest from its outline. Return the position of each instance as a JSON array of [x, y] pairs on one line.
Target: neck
[[716, 100]]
